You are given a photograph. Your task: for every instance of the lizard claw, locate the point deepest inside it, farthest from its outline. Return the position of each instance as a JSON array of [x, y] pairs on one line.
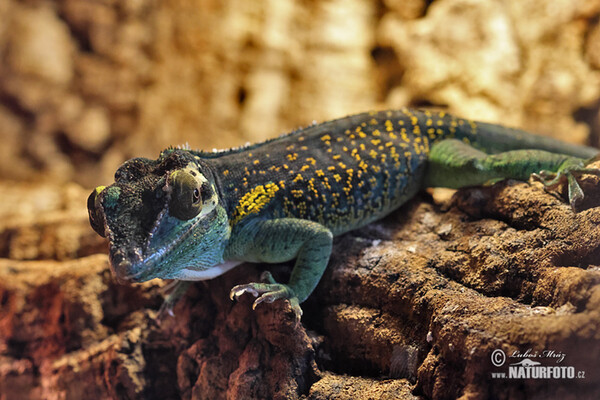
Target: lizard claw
[[268, 293], [174, 292], [239, 290], [568, 173]]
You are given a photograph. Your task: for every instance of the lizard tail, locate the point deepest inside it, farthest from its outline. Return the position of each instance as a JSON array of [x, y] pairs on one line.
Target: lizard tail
[[496, 139]]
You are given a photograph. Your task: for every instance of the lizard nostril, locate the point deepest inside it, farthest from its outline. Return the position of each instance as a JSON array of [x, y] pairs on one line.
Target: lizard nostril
[[122, 271], [121, 266]]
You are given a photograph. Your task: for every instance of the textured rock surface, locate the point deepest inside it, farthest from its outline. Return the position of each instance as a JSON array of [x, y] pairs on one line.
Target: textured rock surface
[[410, 307]]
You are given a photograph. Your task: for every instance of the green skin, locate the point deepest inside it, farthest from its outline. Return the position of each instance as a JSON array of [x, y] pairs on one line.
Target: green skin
[[194, 215]]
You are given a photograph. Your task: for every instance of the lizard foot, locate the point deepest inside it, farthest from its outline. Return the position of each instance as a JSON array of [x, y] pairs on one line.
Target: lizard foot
[[268, 293], [568, 172], [174, 292]]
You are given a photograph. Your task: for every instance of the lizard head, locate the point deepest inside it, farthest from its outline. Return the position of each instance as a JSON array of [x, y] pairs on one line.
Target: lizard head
[[161, 217]]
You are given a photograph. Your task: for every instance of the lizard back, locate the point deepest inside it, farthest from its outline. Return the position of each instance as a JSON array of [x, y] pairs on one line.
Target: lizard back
[[343, 173]]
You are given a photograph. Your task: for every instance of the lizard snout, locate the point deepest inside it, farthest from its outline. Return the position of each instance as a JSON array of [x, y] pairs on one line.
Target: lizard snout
[[122, 267]]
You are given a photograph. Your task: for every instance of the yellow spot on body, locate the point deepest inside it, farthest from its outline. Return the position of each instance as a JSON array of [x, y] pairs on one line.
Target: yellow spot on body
[[226, 172], [311, 186], [292, 156], [336, 157], [389, 126], [431, 133], [473, 127], [325, 138], [254, 201], [373, 121], [331, 168], [337, 177], [256, 162], [429, 122], [311, 160], [298, 178], [373, 154], [376, 132], [404, 135], [320, 173], [304, 168], [375, 141]]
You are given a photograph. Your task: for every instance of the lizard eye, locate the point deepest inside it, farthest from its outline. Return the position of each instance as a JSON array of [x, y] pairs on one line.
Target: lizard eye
[[95, 214], [186, 198]]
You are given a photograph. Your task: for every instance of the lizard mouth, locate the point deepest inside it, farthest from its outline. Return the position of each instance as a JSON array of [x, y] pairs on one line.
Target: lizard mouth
[[127, 268]]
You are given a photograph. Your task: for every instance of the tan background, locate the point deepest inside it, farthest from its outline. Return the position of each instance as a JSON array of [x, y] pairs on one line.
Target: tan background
[[86, 84]]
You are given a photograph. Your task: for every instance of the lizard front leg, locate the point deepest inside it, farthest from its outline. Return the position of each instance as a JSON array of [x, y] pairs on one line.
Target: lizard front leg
[[280, 240]]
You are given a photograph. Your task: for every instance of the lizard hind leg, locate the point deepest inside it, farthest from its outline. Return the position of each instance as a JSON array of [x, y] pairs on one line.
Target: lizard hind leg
[[455, 164]]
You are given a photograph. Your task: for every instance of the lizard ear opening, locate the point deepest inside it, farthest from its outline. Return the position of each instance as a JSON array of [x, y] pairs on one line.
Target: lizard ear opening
[[186, 198], [96, 216]]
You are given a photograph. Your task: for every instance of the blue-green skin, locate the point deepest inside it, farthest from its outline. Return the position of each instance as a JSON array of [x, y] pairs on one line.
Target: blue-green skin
[[286, 198]]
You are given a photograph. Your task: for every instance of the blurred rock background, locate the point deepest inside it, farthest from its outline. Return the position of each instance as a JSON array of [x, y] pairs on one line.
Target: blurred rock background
[[86, 84]]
